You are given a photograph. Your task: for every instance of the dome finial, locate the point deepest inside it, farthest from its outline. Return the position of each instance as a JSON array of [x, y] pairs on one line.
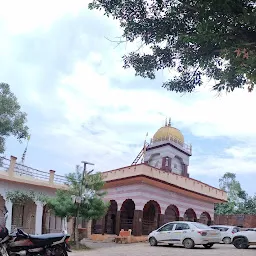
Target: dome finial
[[170, 123]]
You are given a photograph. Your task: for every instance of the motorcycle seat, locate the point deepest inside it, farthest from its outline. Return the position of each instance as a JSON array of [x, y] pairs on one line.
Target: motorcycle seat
[[57, 236]]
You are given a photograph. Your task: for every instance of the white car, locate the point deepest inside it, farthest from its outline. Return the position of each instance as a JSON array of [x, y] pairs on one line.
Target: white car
[[226, 232], [243, 239], [185, 233]]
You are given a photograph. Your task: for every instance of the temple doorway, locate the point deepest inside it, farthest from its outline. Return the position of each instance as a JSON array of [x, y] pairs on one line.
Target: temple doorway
[[190, 215], [110, 218], [127, 214], [171, 214], [205, 218], [150, 220]]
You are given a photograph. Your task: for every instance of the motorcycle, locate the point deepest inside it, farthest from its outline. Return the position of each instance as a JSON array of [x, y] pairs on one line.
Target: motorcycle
[[23, 244]]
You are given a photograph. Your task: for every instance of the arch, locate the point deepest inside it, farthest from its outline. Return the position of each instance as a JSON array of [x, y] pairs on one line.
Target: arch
[[150, 217], [50, 222], [177, 165], [190, 215], [127, 214], [23, 216], [171, 213], [2, 211], [110, 218], [205, 218]]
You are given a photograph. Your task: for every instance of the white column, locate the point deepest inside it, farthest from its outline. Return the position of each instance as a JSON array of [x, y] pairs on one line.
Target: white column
[[64, 225], [8, 205], [39, 218]]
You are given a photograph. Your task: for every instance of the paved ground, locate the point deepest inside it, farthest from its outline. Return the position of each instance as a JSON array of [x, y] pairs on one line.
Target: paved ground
[[143, 249]]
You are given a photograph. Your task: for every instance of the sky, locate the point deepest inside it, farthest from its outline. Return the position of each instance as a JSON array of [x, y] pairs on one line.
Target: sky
[[63, 64]]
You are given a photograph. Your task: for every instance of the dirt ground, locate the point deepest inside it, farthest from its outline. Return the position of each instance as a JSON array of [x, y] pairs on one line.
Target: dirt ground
[[144, 249]]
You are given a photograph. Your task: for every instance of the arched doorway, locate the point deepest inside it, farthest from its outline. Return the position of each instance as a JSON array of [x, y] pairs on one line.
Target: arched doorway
[[171, 214], [23, 216], [150, 219], [205, 218], [110, 218], [190, 215], [2, 211], [127, 214], [50, 222]]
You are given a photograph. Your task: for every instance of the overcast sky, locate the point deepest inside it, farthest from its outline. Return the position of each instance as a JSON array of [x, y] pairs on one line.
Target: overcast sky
[[82, 105]]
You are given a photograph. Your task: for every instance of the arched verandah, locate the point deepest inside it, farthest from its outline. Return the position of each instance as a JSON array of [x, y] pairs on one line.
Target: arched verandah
[[127, 214], [23, 216], [190, 215], [110, 218], [151, 214], [50, 222], [205, 218], [171, 213]]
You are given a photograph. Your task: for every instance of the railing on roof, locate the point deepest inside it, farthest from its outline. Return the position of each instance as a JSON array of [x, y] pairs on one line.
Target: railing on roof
[[59, 179], [23, 170], [175, 141], [14, 169], [4, 163]]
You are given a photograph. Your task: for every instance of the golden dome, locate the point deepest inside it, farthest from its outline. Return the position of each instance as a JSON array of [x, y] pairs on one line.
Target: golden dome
[[168, 132]]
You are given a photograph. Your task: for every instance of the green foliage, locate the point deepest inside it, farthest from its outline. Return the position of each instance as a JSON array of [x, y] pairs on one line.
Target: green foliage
[[22, 197], [212, 38], [239, 202], [91, 207], [12, 120]]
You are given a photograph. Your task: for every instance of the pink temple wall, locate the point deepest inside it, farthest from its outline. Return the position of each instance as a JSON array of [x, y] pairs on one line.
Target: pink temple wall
[[142, 193]]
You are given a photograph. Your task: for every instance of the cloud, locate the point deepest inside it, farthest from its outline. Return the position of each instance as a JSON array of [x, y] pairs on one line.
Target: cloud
[[83, 105]]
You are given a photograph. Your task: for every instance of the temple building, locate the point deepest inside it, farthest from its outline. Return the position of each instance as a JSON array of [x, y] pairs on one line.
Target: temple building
[[142, 196], [159, 190]]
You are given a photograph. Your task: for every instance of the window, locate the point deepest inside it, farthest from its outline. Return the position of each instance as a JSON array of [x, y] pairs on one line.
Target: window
[[182, 226], [167, 227], [235, 230]]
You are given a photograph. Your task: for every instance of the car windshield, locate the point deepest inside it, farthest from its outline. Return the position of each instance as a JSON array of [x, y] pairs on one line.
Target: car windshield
[[201, 226]]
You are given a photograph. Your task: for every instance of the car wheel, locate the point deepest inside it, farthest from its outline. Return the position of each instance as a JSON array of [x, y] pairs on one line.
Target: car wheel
[[241, 243], [188, 243], [152, 241], [226, 240], [208, 246]]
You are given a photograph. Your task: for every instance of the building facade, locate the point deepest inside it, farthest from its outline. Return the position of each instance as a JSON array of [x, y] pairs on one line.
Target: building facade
[[145, 196], [142, 196], [33, 216]]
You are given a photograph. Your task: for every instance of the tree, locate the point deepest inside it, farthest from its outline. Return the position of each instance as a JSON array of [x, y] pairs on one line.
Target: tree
[[87, 190], [239, 202], [12, 119], [212, 38]]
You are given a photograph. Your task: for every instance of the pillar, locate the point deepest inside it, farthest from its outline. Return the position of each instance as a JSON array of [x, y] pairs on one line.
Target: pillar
[[118, 222], [166, 163], [64, 225], [39, 218], [185, 171], [161, 220], [51, 177], [8, 224], [12, 165], [103, 225], [137, 223]]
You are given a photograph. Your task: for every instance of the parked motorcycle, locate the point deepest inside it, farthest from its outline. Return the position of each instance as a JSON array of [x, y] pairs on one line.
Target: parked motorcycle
[[23, 244]]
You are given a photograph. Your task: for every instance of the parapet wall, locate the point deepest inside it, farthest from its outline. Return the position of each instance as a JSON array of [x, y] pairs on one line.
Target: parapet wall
[[10, 170], [167, 177]]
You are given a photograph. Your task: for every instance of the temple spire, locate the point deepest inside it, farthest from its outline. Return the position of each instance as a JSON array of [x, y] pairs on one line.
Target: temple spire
[[170, 123]]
